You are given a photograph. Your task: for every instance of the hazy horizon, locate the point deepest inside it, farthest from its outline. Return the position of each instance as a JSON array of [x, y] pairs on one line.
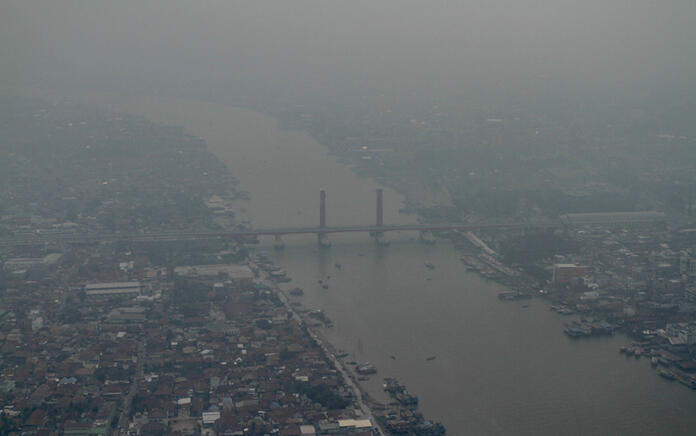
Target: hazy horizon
[[497, 51]]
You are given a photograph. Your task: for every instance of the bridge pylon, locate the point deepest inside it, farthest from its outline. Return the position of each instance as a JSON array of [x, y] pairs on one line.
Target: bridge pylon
[[379, 221], [322, 240], [380, 213]]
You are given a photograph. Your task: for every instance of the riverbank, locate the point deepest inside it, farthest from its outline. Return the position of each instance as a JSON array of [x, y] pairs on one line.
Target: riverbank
[[401, 415], [327, 349]]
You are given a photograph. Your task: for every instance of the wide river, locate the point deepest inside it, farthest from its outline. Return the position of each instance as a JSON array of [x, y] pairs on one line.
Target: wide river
[[500, 368]]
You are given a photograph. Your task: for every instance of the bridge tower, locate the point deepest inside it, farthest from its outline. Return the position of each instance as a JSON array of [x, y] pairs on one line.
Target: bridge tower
[[322, 208], [379, 220], [380, 214], [321, 236]]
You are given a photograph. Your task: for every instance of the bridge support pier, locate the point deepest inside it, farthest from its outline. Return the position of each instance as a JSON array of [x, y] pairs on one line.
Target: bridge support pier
[[379, 238], [323, 240], [427, 237], [278, 244]]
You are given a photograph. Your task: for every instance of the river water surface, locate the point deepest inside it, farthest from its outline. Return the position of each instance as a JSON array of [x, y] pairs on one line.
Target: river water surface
[[499, 368]]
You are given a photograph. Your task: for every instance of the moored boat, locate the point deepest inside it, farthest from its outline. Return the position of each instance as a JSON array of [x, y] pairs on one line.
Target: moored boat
[[365, 368], [667, 375]]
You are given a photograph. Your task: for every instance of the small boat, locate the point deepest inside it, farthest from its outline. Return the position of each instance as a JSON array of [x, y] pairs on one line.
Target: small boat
[[524, 306], [430, 358], [392, 357], [366, 368], [654, 361], [325, 286], [429, 265], [667, 375], [337, 265], [623, 349]]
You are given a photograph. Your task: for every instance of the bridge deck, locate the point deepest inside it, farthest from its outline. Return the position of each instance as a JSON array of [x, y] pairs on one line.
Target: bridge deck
[[173, 236]]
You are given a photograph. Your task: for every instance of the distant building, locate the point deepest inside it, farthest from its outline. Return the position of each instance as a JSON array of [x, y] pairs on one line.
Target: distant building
[[565, 272], [123, 315], [113, 289], [238, 273], [681, 333], [307, 430], [209, 418], [23, 263], [644, 217], [687, 265]]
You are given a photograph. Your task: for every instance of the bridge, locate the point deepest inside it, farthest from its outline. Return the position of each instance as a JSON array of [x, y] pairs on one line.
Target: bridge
[[376, 231]]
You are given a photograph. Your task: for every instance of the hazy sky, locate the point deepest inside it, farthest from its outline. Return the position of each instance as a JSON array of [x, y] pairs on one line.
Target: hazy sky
[[333, 47]]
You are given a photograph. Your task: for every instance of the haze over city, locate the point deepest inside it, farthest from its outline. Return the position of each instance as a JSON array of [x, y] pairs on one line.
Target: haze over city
[[347, 218]]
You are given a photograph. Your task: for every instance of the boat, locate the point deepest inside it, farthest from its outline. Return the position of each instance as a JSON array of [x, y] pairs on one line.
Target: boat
[[654, 361], [279, 275], [399, 392], [365, 368], [337, 265], [429, 265], [431, 428], [573, 332], [296, 292], [392, 357], [623, 349], [430, 358], [513, 295], [667, 375], [325, 286]]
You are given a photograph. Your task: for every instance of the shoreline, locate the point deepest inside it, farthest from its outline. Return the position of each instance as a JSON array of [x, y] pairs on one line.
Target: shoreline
[[327, 348]]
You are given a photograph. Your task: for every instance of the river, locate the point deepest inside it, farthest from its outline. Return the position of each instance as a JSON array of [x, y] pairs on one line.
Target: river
[[499, 368]]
